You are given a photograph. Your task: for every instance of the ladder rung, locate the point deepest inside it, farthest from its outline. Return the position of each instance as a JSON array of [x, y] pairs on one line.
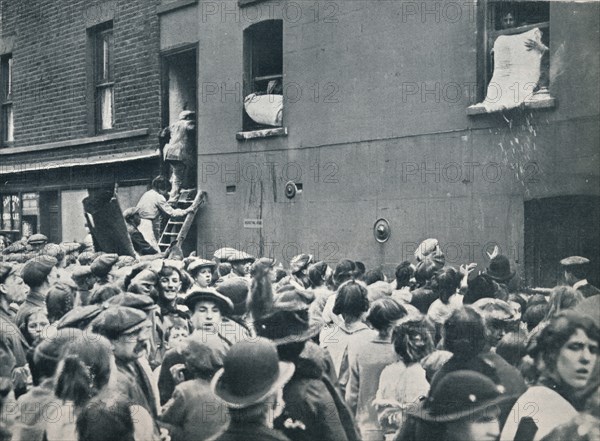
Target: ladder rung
[[170, 234], [174, 223]]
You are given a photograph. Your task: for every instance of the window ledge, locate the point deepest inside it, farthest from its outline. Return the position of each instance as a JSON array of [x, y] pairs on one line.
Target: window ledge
[[75, 142], [547, 102], [178, 4], [264, 133]]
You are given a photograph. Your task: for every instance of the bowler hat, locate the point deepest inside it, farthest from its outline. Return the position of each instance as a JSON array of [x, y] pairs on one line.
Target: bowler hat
[[197, 294], [251, 373], [102, 265], [499, 269], [458, 395], [37, 269]]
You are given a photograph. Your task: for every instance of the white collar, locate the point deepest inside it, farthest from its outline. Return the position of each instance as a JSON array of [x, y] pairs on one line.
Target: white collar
[[580, 283]]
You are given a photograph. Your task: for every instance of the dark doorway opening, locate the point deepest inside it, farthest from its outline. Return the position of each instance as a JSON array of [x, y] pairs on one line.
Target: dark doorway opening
[[556, 228]]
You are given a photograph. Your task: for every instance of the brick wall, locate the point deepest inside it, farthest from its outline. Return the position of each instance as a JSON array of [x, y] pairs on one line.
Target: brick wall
[[50, 80]]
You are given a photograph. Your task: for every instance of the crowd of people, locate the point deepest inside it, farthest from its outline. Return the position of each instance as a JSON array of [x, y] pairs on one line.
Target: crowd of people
[[96, 346]]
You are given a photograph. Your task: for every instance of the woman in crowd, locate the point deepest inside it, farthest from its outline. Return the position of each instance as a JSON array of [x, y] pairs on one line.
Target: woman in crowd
[[462, 407], [367, 356], [446, 282], [402, 285], [351, 305], [404, 382], [320, 276], [172, 285], [82, 382], [565, 354], [201, 271]]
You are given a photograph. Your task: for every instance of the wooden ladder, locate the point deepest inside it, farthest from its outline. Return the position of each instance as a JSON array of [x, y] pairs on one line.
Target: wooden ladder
[[177, 228]]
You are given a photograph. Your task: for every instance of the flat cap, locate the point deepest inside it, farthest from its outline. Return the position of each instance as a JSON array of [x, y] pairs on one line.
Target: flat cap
[[117, 320], [232, 255], [37, 239], [137, 301], [102, 265], [574, 261], [79, 317], [80, 271], [37, 269]]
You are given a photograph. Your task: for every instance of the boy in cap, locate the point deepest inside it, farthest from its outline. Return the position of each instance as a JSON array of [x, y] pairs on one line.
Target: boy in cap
[[576, 269], [39, 274], [250, 384], [102, 268]]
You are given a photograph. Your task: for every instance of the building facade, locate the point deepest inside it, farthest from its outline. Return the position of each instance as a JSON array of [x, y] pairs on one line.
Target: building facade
[[80, 109], [378, 123]]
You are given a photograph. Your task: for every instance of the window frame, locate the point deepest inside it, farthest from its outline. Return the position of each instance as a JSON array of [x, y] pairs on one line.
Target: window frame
[[101, 75], [6, 100], [251, 34], [486, 28]]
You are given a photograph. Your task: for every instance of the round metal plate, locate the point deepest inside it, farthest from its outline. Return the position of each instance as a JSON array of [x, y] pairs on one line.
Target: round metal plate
[[382, 230]]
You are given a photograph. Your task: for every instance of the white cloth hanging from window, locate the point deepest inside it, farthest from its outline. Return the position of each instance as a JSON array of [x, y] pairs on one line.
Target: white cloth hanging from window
[[516, 71], [265, 109]]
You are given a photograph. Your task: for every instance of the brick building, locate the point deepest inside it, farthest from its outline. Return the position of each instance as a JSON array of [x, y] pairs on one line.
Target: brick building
[[80, 108]]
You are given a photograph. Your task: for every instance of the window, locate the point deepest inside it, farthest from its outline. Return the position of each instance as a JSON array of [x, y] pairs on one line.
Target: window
[[6, 123], [518, 19], [102, 48], [263, 75]]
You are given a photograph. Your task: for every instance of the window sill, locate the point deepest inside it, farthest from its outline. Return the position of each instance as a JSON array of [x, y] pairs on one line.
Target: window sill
[[112, 136], [172, 6], [548, 102], [264, 133]]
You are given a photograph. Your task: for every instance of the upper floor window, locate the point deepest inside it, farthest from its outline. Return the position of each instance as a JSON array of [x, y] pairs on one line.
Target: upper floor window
[[102, 44], [263, 75], [515, 65], [6, 80]]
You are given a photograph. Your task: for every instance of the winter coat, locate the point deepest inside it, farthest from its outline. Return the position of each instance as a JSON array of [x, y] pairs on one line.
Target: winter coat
[[194, 411], [314, 409], [368, 355]]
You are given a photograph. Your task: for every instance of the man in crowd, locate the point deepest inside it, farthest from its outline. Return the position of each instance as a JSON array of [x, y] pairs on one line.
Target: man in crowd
[[576, 269], [133, 221], [39, 274]]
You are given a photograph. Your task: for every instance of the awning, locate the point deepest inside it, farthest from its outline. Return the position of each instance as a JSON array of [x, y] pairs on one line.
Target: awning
[[78, 162]]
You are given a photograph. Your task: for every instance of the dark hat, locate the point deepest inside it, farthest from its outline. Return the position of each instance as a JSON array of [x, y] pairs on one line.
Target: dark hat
[[6, 270], [118, 320], [343, 269], [130, 212], [79, 317], [87, 257], [284, 326], [102, 293], [499, 269], [137, 301], [235, 289], [459, 394], [37, 269], [197, 264], [300, 262], [102, 265], [574, 261], [203, 352], [197, 294], [251, 373], [51, 349], [37, 239]]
